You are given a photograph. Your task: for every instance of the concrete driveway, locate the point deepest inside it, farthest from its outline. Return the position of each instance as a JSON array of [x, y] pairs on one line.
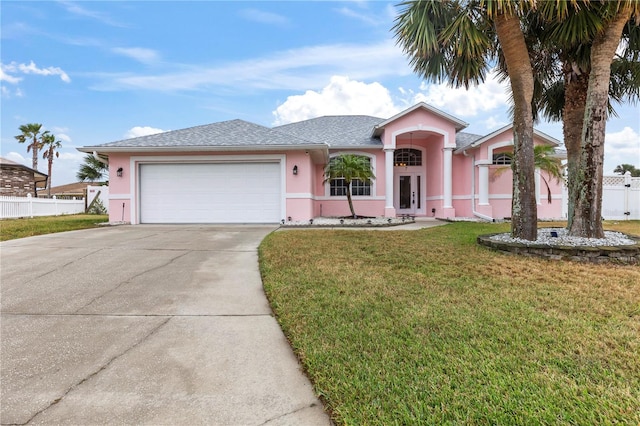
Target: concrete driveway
[[145, 325]]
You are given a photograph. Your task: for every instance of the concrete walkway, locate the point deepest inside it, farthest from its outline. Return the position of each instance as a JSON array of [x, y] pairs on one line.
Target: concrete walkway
[[144, 324]]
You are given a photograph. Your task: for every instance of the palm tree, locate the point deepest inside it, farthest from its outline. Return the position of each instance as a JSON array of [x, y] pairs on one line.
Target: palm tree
[[460, 41], [51, 146], [587, 215], [545, 160], [349, 168], [573, 37], [624, 168], [31, 133], [92, 170]]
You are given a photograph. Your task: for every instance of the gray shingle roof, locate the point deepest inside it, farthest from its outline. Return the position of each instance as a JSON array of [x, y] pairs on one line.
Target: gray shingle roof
[[226, 133], [464, 139], [336, 131]]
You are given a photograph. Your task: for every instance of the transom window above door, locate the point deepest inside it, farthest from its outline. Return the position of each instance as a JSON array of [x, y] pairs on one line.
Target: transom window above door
[[407, 157]]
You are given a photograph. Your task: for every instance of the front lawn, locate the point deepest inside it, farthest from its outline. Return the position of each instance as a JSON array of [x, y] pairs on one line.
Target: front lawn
[[11, 229], [426, 327]]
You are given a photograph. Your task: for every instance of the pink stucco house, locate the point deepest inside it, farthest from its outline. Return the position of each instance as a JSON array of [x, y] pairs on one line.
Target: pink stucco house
[[240, 172]]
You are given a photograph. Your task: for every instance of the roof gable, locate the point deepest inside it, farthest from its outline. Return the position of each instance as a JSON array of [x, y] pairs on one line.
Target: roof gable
[[457, 123], [468, 143]]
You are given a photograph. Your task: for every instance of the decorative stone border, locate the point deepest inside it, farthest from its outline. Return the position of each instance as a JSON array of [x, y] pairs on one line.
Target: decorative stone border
[[329, 222], [621, 255]]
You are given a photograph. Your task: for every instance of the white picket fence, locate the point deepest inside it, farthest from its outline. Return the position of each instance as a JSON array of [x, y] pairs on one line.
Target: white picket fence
[[15, 207], [621, 197]]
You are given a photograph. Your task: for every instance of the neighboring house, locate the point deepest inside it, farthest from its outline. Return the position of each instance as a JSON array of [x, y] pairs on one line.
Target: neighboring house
[[17, 180], [240, 172], [70, 190]]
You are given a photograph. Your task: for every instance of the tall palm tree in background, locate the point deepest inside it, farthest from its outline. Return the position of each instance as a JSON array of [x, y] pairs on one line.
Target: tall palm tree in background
[[349, 167], [31, 134], [460, 41], [50, 147], [92, 169], [624, 168]]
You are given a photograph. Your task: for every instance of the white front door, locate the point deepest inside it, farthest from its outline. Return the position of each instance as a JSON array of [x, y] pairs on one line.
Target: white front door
[[409, 196]]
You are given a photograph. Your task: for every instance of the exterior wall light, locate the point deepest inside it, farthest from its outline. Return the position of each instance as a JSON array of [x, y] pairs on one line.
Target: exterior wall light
[[295, 170], [119, 171]]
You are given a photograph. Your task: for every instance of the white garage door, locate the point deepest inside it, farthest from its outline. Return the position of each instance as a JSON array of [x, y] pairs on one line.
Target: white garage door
[[210, 193]]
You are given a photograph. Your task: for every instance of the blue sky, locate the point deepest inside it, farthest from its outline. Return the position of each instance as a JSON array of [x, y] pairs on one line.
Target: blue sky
[[94, 72]]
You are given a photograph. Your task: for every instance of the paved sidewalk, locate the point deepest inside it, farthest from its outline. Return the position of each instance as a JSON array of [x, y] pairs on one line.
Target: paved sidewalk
[[145, 325]]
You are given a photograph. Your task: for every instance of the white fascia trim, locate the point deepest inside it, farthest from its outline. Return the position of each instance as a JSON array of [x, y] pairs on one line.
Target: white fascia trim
[[434, 198], [196, 148], [459, 124], [299, 195], [259, 158], [353, 197], [120, 196], [508, 197]]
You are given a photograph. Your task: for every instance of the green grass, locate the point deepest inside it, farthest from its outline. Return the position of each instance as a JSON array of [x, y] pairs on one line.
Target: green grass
[[426, 327], [11, 229]]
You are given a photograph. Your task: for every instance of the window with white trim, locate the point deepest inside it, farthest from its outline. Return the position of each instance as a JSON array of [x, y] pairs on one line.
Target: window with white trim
[[338, 187], [502, 159]]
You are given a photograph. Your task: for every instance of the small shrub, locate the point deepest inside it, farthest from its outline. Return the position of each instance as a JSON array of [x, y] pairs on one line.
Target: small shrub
[[97, 207]]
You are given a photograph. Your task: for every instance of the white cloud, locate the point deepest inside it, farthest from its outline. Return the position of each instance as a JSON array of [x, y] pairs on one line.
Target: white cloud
[[66, 166], [367, 18], [495, 122], [621, 147], [138, 131], [139, 54], [294, 69], [30, 68], [33, 69], [88, 13], [485, 97], [341, 96], [263, 17], [17, 158], [63, 137], [6, 77]]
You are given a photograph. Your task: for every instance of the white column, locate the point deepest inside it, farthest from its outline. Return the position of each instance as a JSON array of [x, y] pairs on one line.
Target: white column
[[483, 184], [388, 174], [448, 178]]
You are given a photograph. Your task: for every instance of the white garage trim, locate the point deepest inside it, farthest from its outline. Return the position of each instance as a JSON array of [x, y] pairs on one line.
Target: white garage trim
[[137, 162]]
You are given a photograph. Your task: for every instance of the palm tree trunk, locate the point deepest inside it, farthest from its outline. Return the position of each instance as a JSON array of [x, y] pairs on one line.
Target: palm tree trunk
[[587, 217], [49, 170], [575, 93], [34, 152], [524, 210], [353, 212]]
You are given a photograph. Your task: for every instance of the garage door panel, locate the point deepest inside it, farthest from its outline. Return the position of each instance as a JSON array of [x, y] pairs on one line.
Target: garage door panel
[[210, 193]]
